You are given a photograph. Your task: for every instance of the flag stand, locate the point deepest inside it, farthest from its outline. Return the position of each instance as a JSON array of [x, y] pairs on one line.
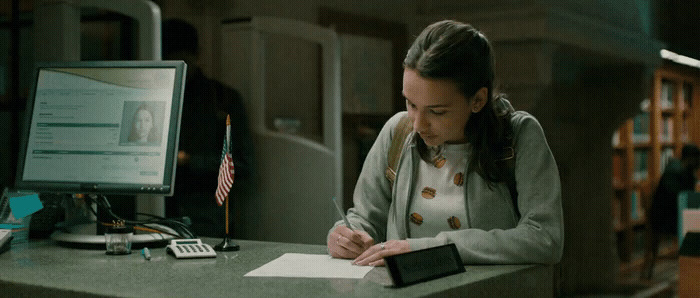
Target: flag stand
[[224, 173], [226, 244]]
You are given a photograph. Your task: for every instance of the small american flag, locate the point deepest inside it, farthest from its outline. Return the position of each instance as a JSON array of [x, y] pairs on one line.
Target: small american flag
[[226, 169]]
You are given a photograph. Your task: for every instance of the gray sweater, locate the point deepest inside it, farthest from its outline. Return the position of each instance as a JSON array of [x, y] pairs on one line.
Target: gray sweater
[[494, 234]]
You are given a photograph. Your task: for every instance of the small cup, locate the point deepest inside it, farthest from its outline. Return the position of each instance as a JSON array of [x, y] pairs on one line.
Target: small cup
[[118, 240]]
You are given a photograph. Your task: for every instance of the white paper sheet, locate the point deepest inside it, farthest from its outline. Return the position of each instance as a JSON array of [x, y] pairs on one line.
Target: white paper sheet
[[310, 266]]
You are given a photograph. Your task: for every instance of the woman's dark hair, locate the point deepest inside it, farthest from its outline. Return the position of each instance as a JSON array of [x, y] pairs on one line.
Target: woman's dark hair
[[458, 52]]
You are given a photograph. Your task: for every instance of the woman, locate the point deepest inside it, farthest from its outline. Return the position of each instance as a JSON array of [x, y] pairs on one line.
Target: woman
[[142, 126], [451, 180]]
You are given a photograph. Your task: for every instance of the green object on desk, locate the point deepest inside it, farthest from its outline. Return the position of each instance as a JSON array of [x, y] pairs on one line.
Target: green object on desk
[[146, 253]]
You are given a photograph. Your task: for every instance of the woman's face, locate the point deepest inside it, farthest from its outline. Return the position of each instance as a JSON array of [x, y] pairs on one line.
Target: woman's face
[[143, 122], [438, 110]]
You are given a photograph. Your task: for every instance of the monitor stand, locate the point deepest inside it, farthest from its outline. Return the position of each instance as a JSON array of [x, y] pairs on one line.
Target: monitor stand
[[82, 230], [150, 204], [85, 236]]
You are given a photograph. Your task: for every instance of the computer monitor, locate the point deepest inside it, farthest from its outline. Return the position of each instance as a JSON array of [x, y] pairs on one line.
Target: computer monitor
[[102, 127]]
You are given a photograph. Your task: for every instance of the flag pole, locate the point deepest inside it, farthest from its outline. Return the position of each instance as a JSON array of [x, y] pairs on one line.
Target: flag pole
[[227, 234], [226, 244]]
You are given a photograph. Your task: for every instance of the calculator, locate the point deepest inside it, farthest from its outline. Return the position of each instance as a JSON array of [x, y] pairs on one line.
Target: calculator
[[190, 249]]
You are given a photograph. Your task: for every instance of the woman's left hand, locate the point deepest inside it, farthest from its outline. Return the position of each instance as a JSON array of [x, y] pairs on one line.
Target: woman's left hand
[[374, 256]]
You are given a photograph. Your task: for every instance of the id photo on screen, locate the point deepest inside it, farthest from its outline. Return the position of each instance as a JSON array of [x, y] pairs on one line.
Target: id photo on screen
[[142, 123]]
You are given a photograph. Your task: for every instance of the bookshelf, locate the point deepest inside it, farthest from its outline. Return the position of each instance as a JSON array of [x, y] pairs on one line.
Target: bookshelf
[[642, 147]]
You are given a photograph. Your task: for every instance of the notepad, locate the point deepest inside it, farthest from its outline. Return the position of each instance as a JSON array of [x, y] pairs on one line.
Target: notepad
[[310, 266]]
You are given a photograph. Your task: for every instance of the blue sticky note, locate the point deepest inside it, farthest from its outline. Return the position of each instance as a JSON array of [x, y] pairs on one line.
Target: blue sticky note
[[25, 205]]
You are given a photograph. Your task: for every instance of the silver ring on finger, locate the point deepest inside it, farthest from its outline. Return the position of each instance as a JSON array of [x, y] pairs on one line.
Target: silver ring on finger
[[381, 245]]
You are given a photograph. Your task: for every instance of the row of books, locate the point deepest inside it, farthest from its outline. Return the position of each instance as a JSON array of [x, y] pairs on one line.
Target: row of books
[[636, 210], [667, 90], [641, 128], [641, 131], [667, 95], [667, 130], [641, 165]]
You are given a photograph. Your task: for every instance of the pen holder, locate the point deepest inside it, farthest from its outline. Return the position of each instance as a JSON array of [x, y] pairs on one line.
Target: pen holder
[[118, 240]]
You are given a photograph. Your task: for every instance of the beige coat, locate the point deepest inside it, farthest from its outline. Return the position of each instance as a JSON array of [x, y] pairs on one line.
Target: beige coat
[[494, 235]]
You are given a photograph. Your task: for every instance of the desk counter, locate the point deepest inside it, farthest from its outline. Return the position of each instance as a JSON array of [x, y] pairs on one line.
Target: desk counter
[[41, 268]]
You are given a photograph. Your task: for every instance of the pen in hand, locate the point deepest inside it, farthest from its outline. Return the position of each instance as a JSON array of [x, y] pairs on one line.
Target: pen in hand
[[342, 214], [146, 253]]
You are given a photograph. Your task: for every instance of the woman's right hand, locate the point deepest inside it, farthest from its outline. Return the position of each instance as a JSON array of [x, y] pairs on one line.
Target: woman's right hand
[[348, 244]]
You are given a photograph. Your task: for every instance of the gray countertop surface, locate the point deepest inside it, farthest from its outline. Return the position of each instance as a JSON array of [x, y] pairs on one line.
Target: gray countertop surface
[[41, 267]]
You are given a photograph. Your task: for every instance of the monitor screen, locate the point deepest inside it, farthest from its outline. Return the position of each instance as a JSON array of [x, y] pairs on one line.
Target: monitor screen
[[106, 127]]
